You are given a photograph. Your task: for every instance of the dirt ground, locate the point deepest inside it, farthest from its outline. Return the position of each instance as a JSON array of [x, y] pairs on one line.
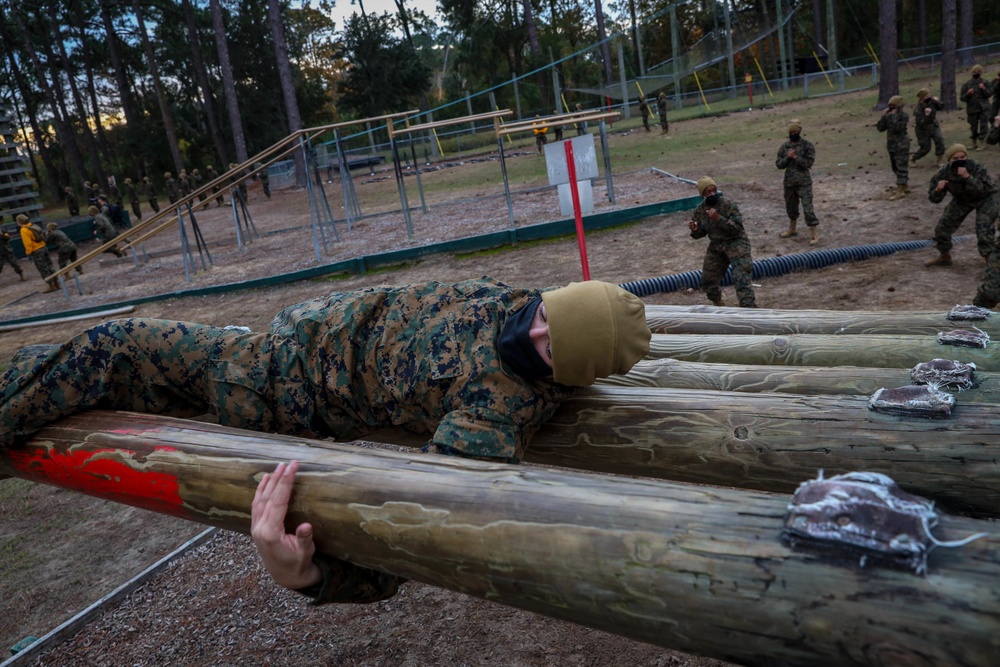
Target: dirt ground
[[59, 551]]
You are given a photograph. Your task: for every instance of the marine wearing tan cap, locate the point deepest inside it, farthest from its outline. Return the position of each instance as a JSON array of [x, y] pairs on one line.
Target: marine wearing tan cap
[[596, 329]]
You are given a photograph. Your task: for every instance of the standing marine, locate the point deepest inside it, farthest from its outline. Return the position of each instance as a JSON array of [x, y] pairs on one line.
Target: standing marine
[[65, 248], [149, 190], [976, 94], [927, 127], [728, 245], [132, 193], [971, 189], [173, 194], [105, 230], [216, 189], [796, 157], [661, 108], [265, 180], [7, 255], [72, 203], [644, 110], [196, 181], [897, 143]]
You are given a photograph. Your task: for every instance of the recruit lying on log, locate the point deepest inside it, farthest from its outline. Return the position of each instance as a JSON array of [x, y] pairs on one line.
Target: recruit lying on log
[[699, 569]]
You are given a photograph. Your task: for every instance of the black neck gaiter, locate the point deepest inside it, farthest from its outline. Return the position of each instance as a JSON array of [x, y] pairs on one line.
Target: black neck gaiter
[[515, 346]]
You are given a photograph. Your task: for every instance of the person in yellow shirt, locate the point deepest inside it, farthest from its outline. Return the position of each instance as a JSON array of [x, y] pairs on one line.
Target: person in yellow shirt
[[34, 247]]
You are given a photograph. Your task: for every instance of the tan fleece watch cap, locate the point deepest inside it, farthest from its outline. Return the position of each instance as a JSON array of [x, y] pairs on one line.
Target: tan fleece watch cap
[[596, 329], [955, 148], [22, 219], [922, 93], [896, 101], [795, 126], [703, 184]]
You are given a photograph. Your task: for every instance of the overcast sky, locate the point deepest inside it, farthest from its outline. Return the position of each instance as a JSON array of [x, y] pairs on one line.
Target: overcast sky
[[345, 8]]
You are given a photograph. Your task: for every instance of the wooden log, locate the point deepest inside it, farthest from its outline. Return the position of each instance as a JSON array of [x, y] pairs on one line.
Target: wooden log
[[876, 351], [807, 380], [698, 569], [761, 321]]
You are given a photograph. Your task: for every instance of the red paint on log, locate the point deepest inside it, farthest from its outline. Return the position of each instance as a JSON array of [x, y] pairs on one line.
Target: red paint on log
[[110, 477]]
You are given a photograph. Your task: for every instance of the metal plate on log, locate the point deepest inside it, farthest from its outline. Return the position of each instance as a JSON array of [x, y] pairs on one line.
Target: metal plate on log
[[963, 338], [944, 373], [912, 401], [968, 313]]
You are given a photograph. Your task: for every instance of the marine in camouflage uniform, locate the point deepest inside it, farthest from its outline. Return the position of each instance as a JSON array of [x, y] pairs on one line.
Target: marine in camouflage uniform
[[196, 181], [105, 230], [132, 193], [72, 203], [971, 189], [7, 256], [184, 183], [644, 110], [425, 358], [927, 127], [897, 143], [212, 175], [265, 180], [114, 192], [796, 157], [976, 95], [661, 108], [65, 248], [35, 249], [173, 194], [149, 190], [728, 245]]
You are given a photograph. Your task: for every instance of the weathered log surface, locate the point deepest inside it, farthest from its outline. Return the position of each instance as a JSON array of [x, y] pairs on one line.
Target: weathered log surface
[[773, 441], [697, 569], [712, 320], [874, 351], [808, 380]]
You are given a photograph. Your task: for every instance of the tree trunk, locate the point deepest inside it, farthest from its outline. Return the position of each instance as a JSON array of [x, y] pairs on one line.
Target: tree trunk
[[709, 320], [948, 95], [287, 86], [54, 181], [206, 88], [81, 110], [161, 97], [888, 84], [965, 32], [602, 35], [921, 25], [133, 122], [64, 131], [228, 84], [702, 570]]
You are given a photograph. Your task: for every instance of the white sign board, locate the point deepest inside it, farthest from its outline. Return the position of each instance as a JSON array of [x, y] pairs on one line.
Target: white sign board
[[566, 198], [584, 158]]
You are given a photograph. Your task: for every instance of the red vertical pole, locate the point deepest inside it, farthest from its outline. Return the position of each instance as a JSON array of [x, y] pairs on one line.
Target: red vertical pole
[[577, 215]]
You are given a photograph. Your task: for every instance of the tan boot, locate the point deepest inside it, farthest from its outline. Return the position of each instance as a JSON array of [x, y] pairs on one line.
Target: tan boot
[[944, 259], [975, 144], [79, 270], [900, 192], [51, 288], [718, 302], [790, 231], [814, 230]]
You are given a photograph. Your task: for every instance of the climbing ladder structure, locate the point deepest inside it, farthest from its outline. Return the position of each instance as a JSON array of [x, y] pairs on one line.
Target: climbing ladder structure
[[17, 188]]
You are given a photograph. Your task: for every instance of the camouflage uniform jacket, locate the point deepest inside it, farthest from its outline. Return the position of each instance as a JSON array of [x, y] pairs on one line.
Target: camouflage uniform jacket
[[797, 169], [4, 248], [979, 100], [104, 227], [725, 234], [172, 193], [58, 238], [149, 190], [894, 125], [969, 191], [925, 114], [132, 193]]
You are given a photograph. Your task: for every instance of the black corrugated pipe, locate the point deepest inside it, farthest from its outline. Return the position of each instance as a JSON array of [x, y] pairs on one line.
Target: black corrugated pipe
[[777, 266]]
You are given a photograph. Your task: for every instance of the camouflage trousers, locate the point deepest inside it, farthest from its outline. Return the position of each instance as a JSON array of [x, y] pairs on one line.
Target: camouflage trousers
[[804, 194], [40, 258], [7, 257], [899, 159], [714, 270], [988, 292], [664, 125], [153, 204], [248, 380], [136, 211], [979, 125], [66, 257], [924, 138], [955, 212]]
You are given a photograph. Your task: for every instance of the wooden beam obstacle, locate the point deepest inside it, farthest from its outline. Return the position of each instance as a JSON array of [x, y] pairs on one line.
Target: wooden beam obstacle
[[694, 568]]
